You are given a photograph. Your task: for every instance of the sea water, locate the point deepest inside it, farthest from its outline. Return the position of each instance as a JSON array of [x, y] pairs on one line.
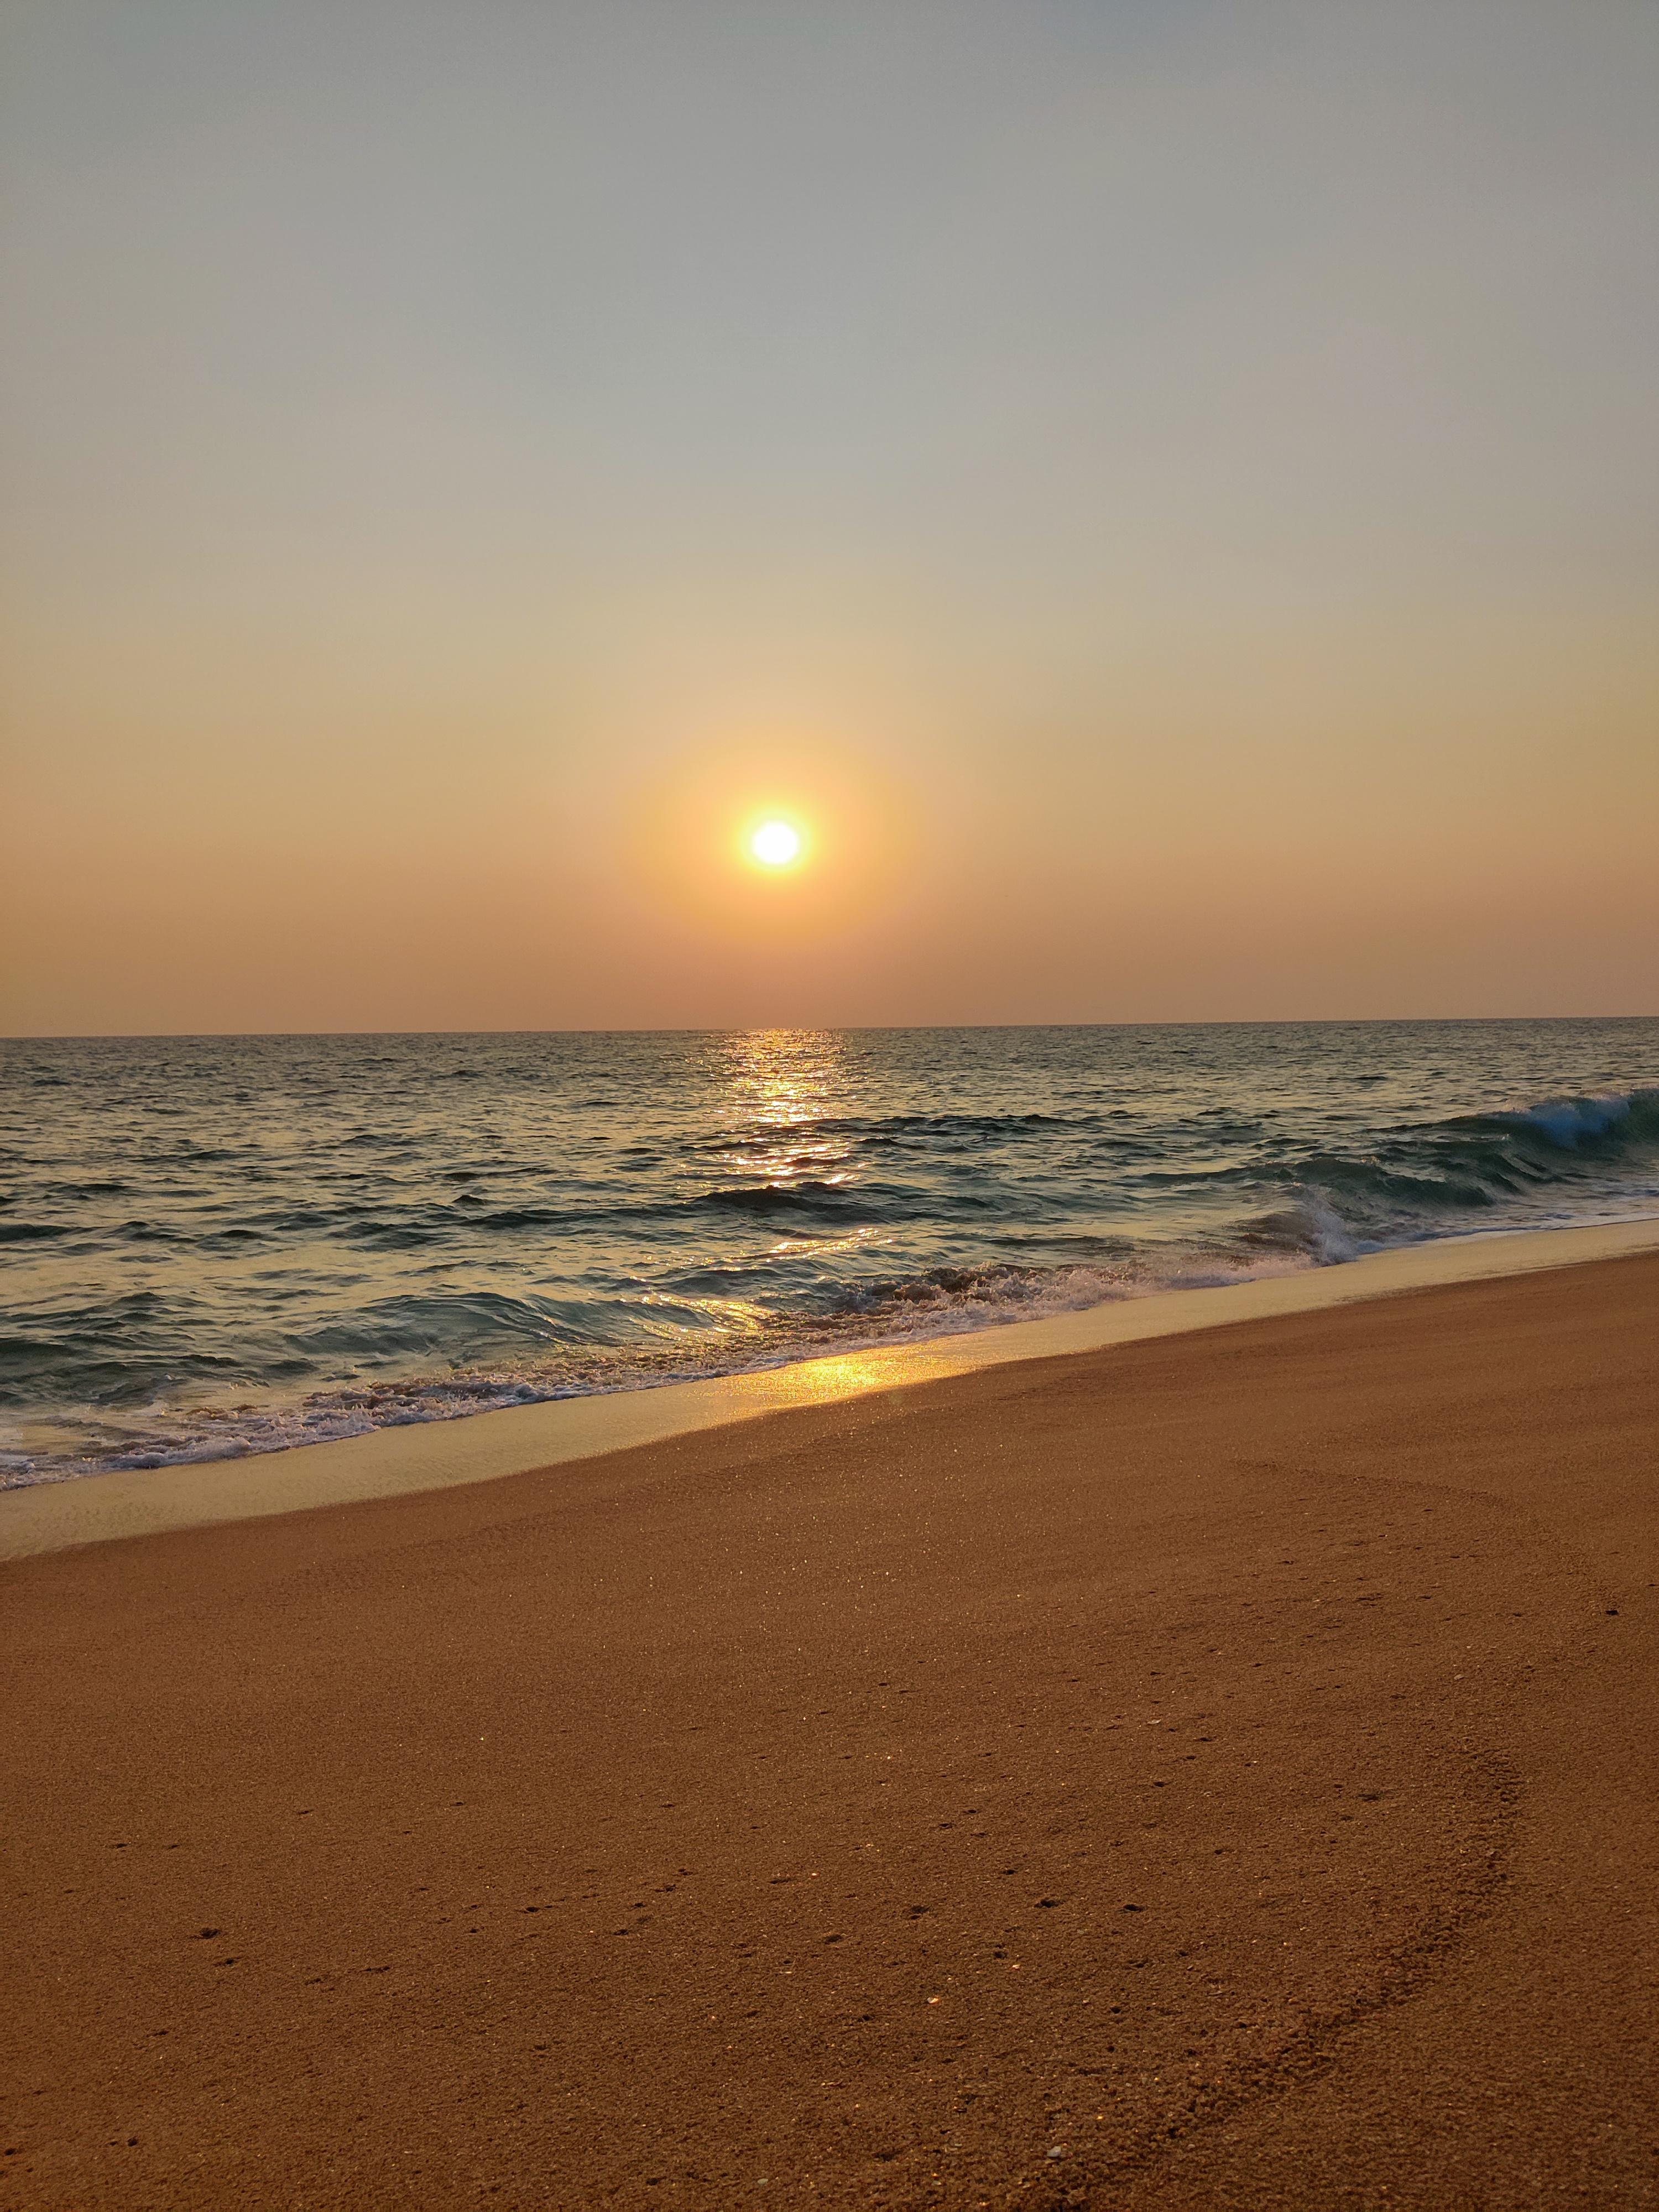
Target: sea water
[[212, 1246]]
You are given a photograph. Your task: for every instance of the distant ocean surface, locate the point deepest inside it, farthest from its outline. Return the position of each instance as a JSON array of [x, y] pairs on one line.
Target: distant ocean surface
[[222, 1245]]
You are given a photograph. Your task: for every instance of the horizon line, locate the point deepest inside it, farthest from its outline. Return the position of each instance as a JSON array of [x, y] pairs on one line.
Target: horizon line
[[819, 1029]]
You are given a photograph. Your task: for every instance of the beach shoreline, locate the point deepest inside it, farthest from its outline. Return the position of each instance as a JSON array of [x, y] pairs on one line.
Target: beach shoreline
[[1208, 1770], [485, 1446]]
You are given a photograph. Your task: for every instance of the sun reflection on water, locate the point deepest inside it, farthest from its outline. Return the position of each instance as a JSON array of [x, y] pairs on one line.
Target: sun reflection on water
[[779, 1085], [787, 1075]]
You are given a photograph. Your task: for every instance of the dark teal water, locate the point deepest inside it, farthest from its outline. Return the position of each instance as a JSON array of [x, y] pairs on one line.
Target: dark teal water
[[217, 1245]]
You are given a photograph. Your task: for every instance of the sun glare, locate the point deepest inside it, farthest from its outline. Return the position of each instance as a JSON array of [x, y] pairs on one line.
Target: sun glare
[[776, 844]]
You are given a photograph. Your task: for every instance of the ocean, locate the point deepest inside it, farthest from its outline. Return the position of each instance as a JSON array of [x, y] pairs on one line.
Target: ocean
[[215, 1246]]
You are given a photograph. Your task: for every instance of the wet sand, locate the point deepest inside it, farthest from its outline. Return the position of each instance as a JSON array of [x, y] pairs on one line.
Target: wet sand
[[1213, 1770]]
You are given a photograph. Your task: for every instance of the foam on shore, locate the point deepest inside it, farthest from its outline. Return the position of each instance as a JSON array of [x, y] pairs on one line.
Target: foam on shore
[[95, 1509]]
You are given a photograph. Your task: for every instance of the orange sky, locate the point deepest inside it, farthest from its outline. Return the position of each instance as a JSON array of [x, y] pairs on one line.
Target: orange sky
[[1165, 496]]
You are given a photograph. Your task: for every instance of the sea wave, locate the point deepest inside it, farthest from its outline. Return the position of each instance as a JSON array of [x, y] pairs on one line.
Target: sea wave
[[809, 1200], [1610, 1125]]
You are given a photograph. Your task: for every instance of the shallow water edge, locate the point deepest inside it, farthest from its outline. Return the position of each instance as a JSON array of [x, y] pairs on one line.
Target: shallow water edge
[[389, 1462]]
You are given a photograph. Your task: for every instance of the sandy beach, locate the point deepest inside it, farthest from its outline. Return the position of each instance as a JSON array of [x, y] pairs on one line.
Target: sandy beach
[[830, 1109], [1209, 1769]]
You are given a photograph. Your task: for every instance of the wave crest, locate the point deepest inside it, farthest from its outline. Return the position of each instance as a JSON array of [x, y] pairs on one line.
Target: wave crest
[[1611, 1123]]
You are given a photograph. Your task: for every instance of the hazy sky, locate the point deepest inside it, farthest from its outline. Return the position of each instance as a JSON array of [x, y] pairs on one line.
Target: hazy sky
[[1169, 493]]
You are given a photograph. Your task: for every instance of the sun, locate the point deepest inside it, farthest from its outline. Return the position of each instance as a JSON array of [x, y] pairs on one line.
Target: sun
[[776, 844]]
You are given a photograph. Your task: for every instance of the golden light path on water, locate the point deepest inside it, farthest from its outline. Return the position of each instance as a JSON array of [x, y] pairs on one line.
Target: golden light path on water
[[781, 1080]]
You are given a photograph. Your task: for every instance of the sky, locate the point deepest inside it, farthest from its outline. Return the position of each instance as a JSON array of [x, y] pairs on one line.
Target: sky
[[1166, 495]]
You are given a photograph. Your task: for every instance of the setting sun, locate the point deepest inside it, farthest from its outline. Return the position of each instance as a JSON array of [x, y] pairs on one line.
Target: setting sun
[[776, 844]]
